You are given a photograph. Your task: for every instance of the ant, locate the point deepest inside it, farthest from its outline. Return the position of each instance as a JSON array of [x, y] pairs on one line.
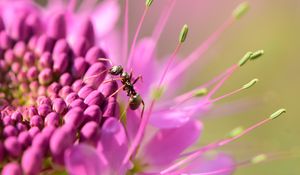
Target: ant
[[135, 99]]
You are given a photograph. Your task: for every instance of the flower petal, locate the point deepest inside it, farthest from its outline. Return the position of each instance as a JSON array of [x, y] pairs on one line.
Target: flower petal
[[144, 63], [167, 144], [178, 114], [169, 118], [84, 160], [221, 164], [113, 145], [108, 13]]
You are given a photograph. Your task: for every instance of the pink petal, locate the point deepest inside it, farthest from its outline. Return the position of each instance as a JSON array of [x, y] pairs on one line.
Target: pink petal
[[11, 9], [132, 123], [144, 63], [84, 160], [167, 144], [169, 118], [105, 17], [113, 145], [221, 163], [175, 115]]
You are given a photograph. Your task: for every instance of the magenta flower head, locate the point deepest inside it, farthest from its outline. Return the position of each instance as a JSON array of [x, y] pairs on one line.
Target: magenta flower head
[[72, 100]]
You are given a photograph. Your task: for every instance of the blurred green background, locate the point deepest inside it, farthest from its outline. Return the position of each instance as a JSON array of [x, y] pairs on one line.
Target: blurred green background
[[272, 25]]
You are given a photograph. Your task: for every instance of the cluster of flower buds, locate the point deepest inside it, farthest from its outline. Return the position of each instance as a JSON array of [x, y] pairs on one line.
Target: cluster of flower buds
[[50, 97]]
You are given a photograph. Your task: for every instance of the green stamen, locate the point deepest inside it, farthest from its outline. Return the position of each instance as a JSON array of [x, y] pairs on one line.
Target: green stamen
[[241, 10], [259, 158], [200, 92], [236, 131], [245, 58], [250, 84], [183, 33], [277, 113], [149, 3], [257, 54]]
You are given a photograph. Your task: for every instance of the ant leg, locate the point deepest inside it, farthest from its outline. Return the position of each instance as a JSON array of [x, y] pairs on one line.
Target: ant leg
[[130, 75], [107, 60], [111, 80], [95, 76], [143, 109], [120, 88], [138, 78]]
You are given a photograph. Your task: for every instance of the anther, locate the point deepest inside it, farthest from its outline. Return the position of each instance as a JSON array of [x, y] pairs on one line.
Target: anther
[[250, 84], [259, 158], [241, 10], [200, 92], [277, 113], [183, 33], [236, 131], [257, 54], [245, 58], [149, 3]]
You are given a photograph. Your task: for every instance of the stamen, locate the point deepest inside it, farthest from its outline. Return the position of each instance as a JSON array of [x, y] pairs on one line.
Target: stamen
[[139, 136], [218, 86], [181, 40], [254, 160], [220, 143], [192, 93], [224, 76], [201, 92], [160, 25], [236, 131], [125, 31], [163, 20], [257, 54], [241, 10], [149, 2], [194, 56], [147, 5], [245, 58], [277, 113], [258, 159], [246, 86], [250, 56]]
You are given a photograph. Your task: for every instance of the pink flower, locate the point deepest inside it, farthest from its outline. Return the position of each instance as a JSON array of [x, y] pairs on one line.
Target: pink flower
[[59, 89], [162, 149]]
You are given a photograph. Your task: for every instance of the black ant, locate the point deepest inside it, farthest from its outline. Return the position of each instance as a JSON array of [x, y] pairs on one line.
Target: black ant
[[135, 99]]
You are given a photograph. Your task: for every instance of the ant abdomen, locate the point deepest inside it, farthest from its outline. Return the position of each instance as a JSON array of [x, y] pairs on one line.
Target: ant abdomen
[[135, 101]]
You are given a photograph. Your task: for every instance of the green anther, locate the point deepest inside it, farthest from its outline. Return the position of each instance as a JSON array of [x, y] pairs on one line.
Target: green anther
[[157, 93], [201, 92], [250, 84], [240, 10], [245, 58], [183, 33], [236, 131], [257, 54], [149, 2], [277, 113], [259, 158]]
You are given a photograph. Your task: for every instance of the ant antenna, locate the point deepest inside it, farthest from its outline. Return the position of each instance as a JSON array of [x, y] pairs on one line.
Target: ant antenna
[[94, 76], [106, 59], [97, 75]]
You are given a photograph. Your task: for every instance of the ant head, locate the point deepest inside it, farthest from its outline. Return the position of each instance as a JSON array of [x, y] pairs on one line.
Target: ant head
[[116, 70]]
